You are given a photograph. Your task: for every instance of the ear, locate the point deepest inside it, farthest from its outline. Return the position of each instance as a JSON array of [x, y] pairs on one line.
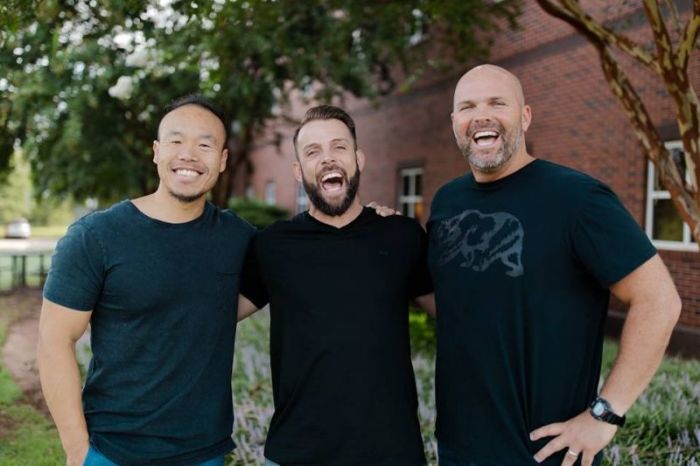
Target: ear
[[224, 159], [360, 158], [526, 117], [156, 147], [296, 167]]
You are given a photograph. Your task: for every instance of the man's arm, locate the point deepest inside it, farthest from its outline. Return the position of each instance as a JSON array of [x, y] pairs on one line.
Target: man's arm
[[59, 329], [245, 307], [654, 307]]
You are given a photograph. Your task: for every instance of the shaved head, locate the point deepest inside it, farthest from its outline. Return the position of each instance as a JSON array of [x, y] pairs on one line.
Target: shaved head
[[487, 71]]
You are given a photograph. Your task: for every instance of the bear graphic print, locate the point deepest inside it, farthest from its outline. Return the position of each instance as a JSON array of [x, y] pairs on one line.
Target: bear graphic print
[[479, 240]]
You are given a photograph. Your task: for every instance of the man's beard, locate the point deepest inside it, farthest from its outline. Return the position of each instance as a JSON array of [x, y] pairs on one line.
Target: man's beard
[[509, 146], [313, 191], [186, 198]]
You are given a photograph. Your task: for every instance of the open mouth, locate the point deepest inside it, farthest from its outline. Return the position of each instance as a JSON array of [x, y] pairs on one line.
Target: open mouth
[[332, 182], [485, 138]]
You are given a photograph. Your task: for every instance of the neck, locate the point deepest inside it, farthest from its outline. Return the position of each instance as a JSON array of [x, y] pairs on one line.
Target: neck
[[338, 221], [513, 165], [161, 205]]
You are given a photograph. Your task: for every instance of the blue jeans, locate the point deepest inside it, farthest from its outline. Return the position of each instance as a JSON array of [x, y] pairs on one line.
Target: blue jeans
[[95, 458], [270, 463]]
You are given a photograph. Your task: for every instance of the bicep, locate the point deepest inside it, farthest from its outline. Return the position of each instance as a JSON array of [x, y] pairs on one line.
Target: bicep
[[648, 282], [62, 323]]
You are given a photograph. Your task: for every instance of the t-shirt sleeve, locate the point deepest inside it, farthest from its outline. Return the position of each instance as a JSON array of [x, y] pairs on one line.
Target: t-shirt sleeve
[[607, 239], [77, 270], [421, 282], [252, 284]]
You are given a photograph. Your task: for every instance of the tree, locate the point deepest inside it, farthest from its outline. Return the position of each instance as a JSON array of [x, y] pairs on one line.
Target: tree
[[669, 61], [83, 85]]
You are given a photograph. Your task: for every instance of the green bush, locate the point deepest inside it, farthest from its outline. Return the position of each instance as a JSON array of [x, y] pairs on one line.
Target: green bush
[[257, 213]]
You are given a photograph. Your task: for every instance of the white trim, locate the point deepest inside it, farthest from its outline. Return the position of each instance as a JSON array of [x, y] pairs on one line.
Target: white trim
[[302, 199], [413, 198], [652, 195]]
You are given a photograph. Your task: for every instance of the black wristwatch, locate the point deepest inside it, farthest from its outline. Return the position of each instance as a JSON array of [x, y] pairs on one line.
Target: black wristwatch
[[600, 409]]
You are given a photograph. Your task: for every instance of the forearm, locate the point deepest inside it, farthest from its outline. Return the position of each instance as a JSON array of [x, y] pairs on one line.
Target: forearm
[[643, 342], [60, 383]]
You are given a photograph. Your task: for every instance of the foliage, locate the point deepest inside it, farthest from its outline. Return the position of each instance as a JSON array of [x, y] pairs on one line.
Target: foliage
[[16, 190], [422, 328], [257, 213], [83, 82], [665, 52]]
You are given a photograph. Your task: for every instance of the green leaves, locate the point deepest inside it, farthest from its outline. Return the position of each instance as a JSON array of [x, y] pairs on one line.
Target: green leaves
[[84, 82]]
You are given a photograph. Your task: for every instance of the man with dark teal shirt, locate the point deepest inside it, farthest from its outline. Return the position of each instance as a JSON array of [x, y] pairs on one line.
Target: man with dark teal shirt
[[524, 254], [157, 279]]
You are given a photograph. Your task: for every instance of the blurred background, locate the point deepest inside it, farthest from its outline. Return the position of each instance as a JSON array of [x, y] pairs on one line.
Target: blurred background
[[83, 84]]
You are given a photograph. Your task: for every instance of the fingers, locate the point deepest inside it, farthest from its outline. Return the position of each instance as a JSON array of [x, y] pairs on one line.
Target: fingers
[[570, 457], [548, 450], [550, 430], [587, 459]]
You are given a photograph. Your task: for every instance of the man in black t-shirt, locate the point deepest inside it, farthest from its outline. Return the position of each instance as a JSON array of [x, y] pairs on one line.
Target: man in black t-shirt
[[339, 279], [523, 255]]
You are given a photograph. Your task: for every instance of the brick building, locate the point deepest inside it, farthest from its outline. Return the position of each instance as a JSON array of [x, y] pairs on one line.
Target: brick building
[[577, 122]]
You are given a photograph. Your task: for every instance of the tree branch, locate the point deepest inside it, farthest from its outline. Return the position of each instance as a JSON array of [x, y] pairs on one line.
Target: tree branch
[[664, 48], [571, 12], [690, 36]]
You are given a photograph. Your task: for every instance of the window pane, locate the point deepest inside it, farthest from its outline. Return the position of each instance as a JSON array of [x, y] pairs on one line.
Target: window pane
[[404, 208], [405, 179], [419, 184], [668, 225]]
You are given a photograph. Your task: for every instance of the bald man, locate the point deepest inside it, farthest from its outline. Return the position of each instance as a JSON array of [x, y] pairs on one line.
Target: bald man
[[524, 254]]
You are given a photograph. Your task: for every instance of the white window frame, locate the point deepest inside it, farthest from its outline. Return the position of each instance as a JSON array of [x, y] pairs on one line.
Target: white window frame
[[412, 199], [271, 192], [653, 195], [302, 199]]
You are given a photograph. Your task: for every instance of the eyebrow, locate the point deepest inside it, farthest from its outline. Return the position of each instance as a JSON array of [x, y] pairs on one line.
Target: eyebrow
[[206, 136]]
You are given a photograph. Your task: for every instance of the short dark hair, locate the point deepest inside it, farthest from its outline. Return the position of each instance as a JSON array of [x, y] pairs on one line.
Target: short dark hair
[[199, 101], [326, 112]]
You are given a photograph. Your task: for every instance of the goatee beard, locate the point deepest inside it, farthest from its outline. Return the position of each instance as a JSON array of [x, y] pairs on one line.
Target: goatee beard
[[186, 198], [511, 143], [313, 191]]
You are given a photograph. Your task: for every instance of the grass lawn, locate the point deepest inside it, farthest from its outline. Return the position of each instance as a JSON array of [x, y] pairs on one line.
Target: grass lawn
[[26, 437]]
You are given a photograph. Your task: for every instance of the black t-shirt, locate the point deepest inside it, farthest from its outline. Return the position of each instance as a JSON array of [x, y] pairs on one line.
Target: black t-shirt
[[163, 298], [521, 268], [342, 378]]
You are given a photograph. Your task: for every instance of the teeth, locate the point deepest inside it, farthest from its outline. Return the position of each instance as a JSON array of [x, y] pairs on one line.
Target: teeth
[[184, 172], [485, 134], [331, 175]]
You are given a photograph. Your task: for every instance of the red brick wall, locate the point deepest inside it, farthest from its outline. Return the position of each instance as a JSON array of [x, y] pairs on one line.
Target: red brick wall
[[576, 122]]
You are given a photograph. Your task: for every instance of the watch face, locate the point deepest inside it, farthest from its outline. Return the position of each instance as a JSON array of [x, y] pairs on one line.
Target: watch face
[[598, 408]]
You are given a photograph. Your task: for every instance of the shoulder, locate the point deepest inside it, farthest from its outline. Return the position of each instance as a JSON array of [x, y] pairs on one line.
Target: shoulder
[[398, 226], [104, 220], [566, 182], [452, 187], [232, 221]]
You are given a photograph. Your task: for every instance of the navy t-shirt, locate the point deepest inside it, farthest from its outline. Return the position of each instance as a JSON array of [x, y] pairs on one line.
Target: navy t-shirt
[[343, 384], [163, 296], [521, 268]]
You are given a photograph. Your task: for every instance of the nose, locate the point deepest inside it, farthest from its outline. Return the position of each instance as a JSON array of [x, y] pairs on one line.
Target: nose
[[187, 152], [328, 157]]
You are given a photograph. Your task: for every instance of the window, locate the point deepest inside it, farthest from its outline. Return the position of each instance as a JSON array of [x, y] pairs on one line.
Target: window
[[663, 223], [302, 199], [270, 193], [411, 192], [250, 192]]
